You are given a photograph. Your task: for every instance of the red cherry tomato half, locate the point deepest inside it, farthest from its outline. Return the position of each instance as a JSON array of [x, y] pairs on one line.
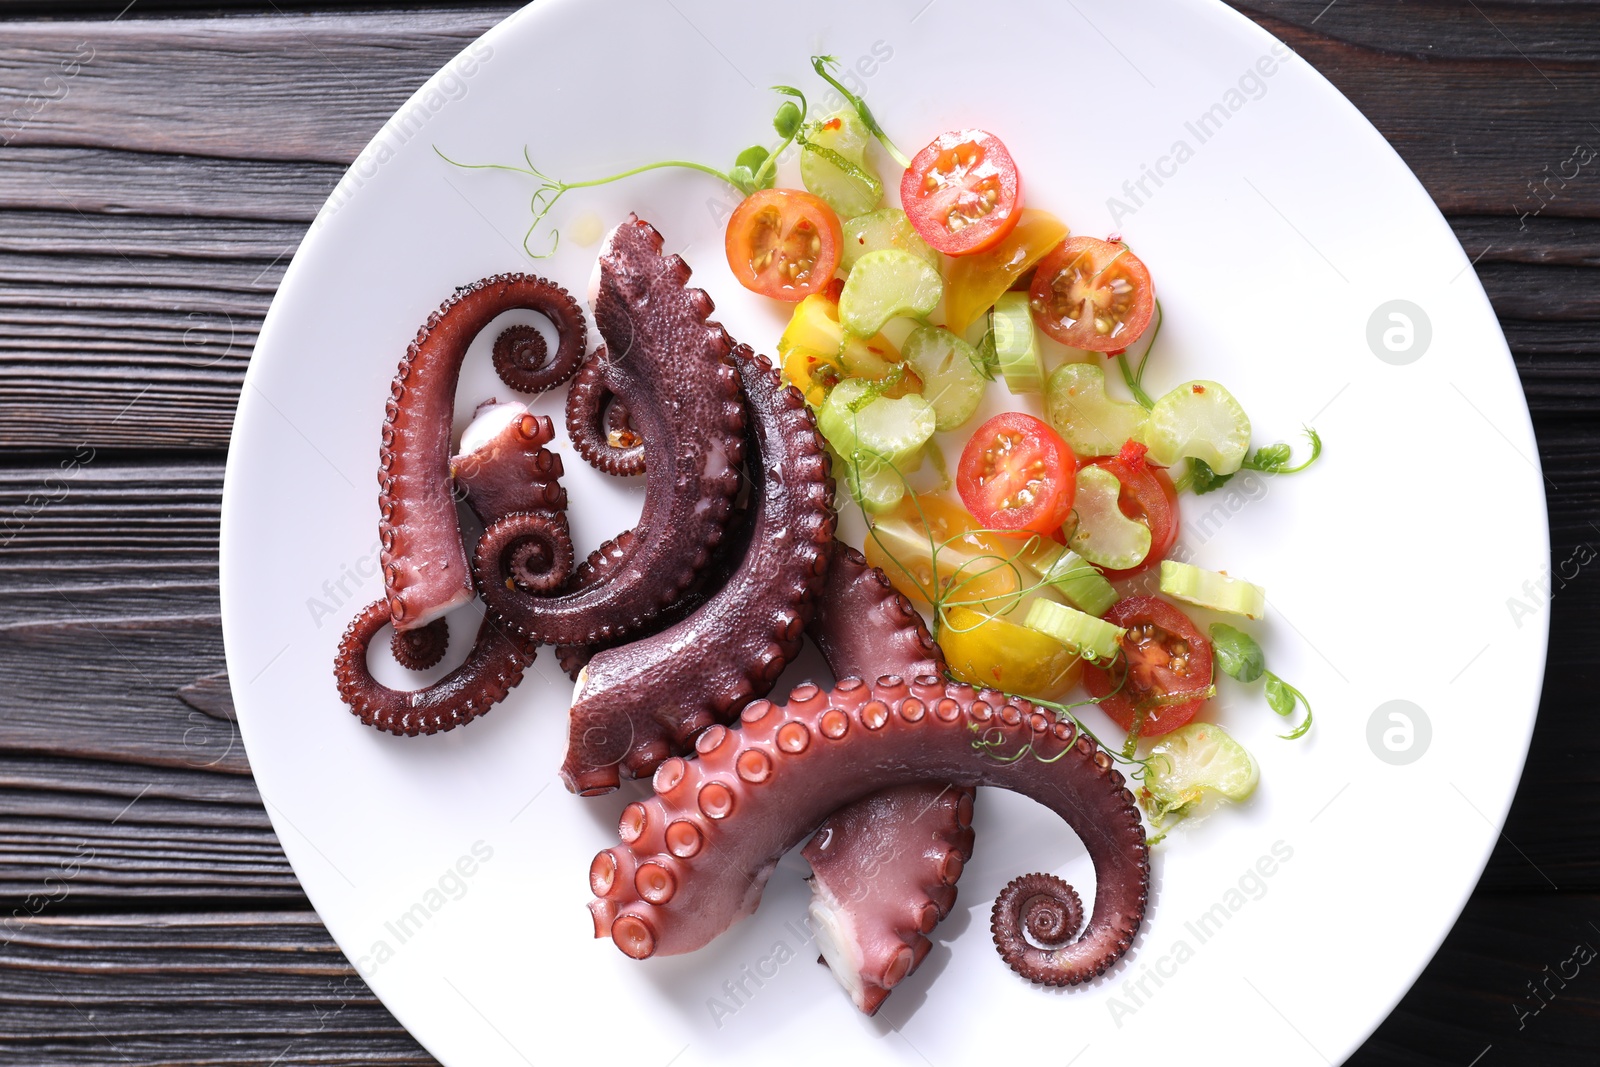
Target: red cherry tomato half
[[1167, 657], [1092, 294], [962, 193], [1149, 496], [784, 243], [1016, 473]]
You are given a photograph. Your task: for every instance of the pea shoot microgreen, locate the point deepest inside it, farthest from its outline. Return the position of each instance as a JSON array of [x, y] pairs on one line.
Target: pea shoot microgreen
[[1240, 657], [1135, 378], [754, 168], [823, 65], [1269, 459]]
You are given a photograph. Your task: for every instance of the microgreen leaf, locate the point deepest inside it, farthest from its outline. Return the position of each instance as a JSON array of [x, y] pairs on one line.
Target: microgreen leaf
[[752, 157], [1202, 479], [787, 120], [1280, 698], [744, 178], [1237, 653], [1274, 459]]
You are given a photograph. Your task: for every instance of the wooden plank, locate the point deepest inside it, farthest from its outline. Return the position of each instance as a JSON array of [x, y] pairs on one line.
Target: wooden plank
[[189, 990], [1482, 101], [222, 988], [140, 84]]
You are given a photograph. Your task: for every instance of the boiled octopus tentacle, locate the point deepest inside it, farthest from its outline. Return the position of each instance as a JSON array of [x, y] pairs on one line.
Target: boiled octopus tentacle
[[417, 650], [522, 357], [884, 869], [600, 425], [696, 856], [884, 873], [425, 570], [491, 669], [503, 468], [672, 367], [734, 647], [1033, 916], [573, 658]]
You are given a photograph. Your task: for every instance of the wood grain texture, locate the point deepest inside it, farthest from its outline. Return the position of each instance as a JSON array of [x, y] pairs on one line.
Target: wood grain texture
[[147, 212]]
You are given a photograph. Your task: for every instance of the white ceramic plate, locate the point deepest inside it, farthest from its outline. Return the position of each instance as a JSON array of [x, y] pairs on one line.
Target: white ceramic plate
[[452, 870]]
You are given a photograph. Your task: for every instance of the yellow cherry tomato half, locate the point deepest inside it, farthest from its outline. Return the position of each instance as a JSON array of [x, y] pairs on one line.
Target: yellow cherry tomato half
[[973, 283], [974, 567], [818, 353], [984, 650]]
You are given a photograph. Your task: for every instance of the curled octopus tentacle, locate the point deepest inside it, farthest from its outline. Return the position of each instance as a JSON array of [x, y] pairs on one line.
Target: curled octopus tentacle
[[528, 550], [425, 567], [695, 857], [503, 469], [672, 366], [1034, 916], [417, 650], [492, 668], [522, 357], [600, 425], [734, 646]]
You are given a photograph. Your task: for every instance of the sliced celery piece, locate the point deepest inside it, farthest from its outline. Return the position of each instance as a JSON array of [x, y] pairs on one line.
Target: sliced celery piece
[[833, 165], [885, 228], [892, 432], [1076, 404], [1076, 579], [950, 382], [876, 486], [1016, 346], [1198, 420], [886, 284], [1104, 535], [1195, 758], [1086, 635], [1208, 589]]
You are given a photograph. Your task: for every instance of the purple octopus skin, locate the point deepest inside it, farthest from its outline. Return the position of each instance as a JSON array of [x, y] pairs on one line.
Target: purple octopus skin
[[884, 869], [425, 568], [503, 469], [696, 856], [884, 873], [599, 424], [673, 369], [732, 649]]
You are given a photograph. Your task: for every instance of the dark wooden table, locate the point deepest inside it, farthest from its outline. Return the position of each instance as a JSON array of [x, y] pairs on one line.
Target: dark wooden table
[[158, 169]]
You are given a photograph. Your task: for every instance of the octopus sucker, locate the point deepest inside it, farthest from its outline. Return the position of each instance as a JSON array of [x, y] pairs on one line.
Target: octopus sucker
[[673, 369], [825, 750], [425, 567], [731, 649]]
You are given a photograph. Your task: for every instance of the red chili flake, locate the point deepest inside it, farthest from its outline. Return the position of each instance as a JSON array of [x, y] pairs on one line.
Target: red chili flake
[[1114, 238], [1198, 388], [1132, 455], [834, 289], [833, 124]]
